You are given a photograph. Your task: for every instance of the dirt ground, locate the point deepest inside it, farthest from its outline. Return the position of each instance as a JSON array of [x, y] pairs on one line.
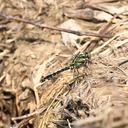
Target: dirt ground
[[40, 37]]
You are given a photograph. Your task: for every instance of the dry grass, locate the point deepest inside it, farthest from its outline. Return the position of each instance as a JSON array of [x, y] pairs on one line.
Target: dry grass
[[94, 96]]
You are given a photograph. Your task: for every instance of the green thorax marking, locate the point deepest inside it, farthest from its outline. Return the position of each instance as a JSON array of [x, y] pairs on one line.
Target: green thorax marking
[[80, 60]]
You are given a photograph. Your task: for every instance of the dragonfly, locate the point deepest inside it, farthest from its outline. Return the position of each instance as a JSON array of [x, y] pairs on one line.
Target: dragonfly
[[79, 60]]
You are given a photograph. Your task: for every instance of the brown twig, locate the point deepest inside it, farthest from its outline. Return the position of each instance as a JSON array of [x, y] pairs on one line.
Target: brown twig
[[123, 62], [10, 17], [104, 30]]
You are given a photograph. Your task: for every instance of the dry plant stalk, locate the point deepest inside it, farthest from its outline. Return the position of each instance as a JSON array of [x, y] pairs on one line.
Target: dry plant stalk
[[9, 17]]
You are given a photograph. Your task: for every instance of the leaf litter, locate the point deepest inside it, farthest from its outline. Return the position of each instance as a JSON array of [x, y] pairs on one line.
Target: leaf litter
[[34, 44]]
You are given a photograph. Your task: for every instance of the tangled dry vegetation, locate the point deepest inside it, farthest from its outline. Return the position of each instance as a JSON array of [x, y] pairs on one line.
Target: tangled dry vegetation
[[36, 39]]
